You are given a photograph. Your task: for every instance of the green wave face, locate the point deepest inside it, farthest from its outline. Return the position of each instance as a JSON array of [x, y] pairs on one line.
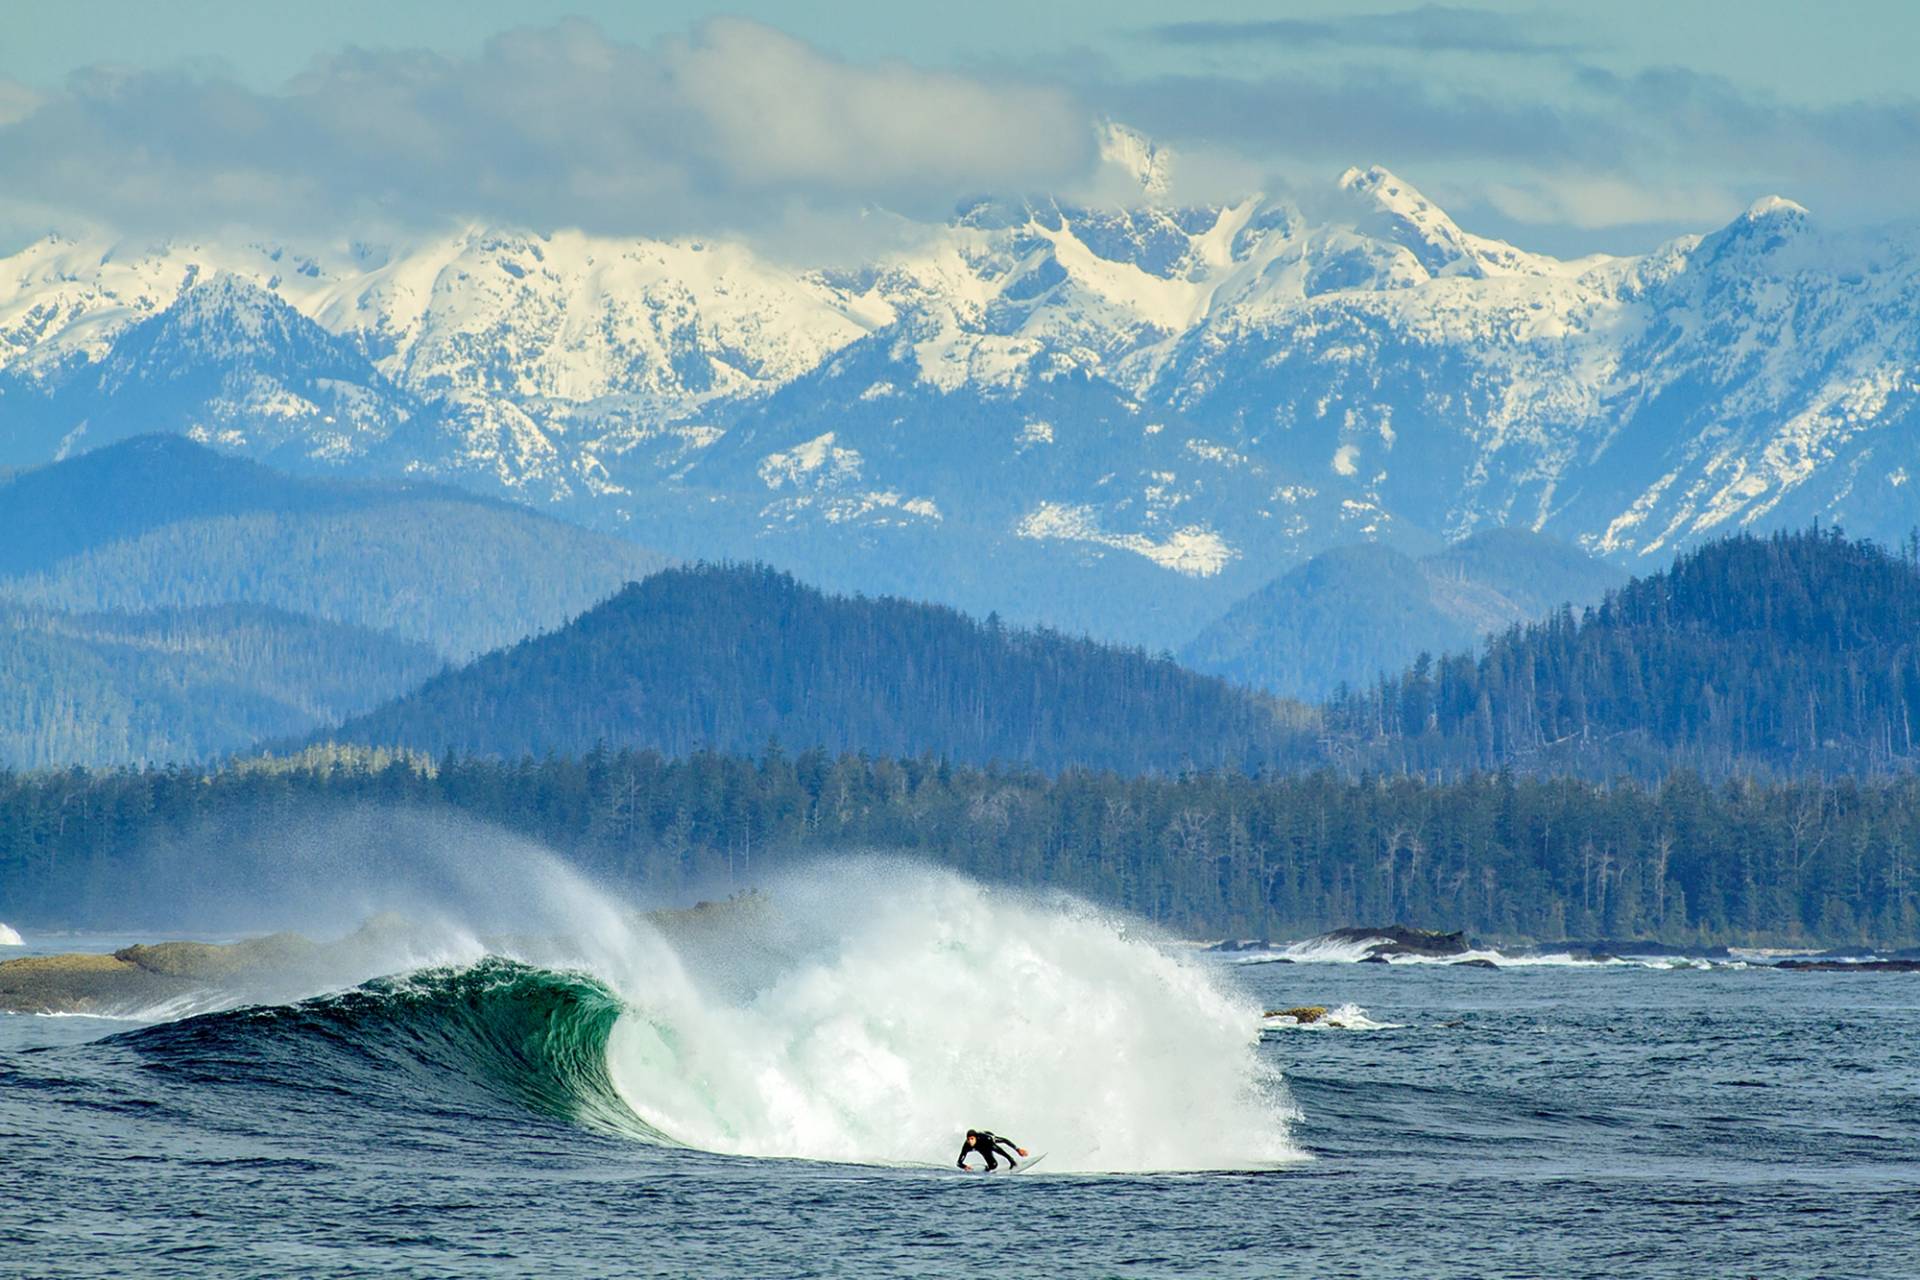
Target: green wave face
[[459, 1038]]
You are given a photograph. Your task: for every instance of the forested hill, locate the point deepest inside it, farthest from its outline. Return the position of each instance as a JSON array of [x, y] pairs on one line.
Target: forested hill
[[1791, 653], [732, 657]]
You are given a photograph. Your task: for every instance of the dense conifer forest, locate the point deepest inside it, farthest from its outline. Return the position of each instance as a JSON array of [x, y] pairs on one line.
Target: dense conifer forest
[[726, 657], [1209, 853], [161, 602], [1782, 655], [1718, 753], [1762, 657]]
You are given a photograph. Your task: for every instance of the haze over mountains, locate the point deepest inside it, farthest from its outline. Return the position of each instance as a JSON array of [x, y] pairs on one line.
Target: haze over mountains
[[160, 602], [1118, 420], [1352, 614]]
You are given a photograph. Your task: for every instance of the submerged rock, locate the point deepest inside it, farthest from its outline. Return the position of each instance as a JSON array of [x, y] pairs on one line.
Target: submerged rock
[[1478, 962]]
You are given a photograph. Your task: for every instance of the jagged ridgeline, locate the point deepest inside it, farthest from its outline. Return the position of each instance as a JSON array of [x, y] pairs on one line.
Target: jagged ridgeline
[[1117, 419], [731, 657], [160, 602], [1791, 653]]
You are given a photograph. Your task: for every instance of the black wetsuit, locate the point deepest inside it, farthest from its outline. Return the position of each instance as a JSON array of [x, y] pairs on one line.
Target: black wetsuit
[[984, 1143]]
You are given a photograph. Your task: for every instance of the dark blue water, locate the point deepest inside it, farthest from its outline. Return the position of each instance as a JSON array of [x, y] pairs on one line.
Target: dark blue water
[[1563, 1122]]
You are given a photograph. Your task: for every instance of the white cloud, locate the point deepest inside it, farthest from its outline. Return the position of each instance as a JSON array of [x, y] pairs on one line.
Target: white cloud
[[781, 112], [17, 102], [1592, 202], [736, 127]]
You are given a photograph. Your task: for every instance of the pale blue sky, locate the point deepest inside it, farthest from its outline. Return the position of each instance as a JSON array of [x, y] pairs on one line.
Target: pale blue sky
[[1837, 50], [1562, 126]]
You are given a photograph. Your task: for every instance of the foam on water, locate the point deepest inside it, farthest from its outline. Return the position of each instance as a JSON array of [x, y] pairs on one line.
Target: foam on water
[[873, 1013], [1325, 951], [1330, 950]]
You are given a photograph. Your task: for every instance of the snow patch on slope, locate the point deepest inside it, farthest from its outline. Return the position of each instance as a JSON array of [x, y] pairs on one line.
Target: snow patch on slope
[[1192, 550]]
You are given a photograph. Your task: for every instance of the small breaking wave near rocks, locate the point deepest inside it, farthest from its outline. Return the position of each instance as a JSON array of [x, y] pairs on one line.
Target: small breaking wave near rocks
[[1316, 1017], [1400, 945]]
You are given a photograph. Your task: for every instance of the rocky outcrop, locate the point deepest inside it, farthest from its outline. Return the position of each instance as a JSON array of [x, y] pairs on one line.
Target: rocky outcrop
[[141, 977], [97, 984], [282, 966], [1602, 949], [214, 960], [1305, 1014], [1401, 940], [1851, 966]]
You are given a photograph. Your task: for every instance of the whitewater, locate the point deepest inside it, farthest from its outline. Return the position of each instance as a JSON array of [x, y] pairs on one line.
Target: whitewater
[[872, 1013], [523, 1074]]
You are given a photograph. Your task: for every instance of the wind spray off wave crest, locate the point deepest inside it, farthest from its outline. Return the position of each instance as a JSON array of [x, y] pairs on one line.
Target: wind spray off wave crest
[[872, 1012], [860, 1010]]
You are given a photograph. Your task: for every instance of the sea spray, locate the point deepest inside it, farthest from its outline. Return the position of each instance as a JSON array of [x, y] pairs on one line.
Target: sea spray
[[10, 937], [873, 1012], [860, 1010]]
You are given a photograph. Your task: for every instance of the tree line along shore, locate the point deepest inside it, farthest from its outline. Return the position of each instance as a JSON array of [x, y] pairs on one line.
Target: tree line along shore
[[1210, 853]]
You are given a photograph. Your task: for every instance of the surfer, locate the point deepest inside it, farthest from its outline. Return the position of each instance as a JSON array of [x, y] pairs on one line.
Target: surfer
[[985, 1143]]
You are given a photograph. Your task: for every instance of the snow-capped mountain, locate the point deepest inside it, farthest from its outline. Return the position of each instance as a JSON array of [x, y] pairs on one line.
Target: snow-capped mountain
[[1118, 418]]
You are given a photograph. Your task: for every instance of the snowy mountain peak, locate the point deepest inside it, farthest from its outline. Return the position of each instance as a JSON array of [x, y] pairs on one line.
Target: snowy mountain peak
[[1774, 207], [1769, 225], [227, 316], [1395, 210], [1381, 191], [1137, 156], [1150, 400], [226, 297], [1381, 184]]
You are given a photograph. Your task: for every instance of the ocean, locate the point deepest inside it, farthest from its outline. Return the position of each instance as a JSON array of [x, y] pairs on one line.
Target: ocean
[[783, 1094]]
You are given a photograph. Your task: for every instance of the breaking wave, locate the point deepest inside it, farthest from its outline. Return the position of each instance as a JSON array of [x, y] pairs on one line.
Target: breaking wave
[[867, 1013]]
